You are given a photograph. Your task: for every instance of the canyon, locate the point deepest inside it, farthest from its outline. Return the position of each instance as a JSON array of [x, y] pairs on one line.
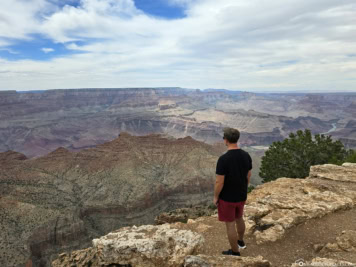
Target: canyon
[[61, 201], [77, 164], [37, 123]]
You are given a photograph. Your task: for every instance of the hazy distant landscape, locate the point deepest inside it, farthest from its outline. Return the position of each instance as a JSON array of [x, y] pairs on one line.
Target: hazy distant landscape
[[36, 123]]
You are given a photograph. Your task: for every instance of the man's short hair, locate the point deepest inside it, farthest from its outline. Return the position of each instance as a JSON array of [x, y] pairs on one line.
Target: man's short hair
[[232, 135]]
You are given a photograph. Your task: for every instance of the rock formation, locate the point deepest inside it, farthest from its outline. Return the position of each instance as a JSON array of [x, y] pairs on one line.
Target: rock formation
[[145, 246], [62, 201], [279, 205], [36, 123], [151, 246]]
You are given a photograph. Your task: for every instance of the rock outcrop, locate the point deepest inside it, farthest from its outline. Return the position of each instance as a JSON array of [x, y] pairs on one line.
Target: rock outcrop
[[145, 246], [276, 206], [152, 246]]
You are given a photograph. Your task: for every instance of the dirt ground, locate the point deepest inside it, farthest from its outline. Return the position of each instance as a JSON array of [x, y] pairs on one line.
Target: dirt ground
[[298, 242]]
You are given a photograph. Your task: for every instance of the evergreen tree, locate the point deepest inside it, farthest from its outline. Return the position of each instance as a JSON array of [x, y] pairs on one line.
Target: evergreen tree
[[293, 156], [351, 157]]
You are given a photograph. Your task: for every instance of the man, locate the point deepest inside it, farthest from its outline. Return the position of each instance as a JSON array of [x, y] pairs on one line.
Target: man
[[233, 173]]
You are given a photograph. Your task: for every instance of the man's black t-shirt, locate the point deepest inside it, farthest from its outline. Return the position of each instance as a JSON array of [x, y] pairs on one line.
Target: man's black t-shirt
[[234, 164]]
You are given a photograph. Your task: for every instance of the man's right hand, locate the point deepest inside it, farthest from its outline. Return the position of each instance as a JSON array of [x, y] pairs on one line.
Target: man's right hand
[[216, 201]]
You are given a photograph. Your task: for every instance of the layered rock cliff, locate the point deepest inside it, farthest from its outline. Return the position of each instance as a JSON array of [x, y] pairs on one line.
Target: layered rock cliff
[[61, 201], [36, 123]]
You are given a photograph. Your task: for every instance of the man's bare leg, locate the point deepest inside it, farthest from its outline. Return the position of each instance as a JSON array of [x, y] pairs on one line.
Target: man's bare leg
[[232, 235], [240, 228]]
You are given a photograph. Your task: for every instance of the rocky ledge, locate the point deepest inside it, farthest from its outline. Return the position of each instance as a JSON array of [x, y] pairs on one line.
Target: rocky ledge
[[276, 206], [150, 246]]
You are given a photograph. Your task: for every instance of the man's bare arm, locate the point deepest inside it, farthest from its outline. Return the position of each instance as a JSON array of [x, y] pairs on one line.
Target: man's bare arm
[[248, 177], [219, 184]]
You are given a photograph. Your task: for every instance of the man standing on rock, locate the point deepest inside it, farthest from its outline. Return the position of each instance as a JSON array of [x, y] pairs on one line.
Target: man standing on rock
[[233, 172]]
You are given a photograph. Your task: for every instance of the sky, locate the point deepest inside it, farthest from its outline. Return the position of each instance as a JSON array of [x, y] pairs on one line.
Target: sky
[[251, 45]]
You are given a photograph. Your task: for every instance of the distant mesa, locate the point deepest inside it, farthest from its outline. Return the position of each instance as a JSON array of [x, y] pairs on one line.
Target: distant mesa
[[166, 104], [33, 123]]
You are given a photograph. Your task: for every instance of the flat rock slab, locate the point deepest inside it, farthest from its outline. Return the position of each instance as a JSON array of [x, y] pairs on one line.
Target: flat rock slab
[[276, 206]]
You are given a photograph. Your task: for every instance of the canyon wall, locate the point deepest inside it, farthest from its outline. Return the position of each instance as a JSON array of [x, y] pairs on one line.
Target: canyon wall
[[61, 201], [36, 123]]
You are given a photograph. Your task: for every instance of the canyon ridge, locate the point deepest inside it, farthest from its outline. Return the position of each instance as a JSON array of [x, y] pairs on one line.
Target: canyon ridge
[[36, 123], [61, 201]]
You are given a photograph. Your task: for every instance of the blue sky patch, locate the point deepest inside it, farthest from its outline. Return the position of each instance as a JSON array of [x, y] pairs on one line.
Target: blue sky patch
[[279, 64], [37, 48], [62, 3], [160, 8]]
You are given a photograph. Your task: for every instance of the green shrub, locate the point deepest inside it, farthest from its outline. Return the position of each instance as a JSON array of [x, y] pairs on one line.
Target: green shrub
[[293, 156]]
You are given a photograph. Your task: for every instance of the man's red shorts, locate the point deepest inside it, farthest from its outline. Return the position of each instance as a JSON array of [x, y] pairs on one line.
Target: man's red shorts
[[230, 211]]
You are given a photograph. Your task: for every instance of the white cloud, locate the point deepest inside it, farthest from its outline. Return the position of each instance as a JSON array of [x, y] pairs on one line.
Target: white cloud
[[47, 50], [20, 18], [289, 44]]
